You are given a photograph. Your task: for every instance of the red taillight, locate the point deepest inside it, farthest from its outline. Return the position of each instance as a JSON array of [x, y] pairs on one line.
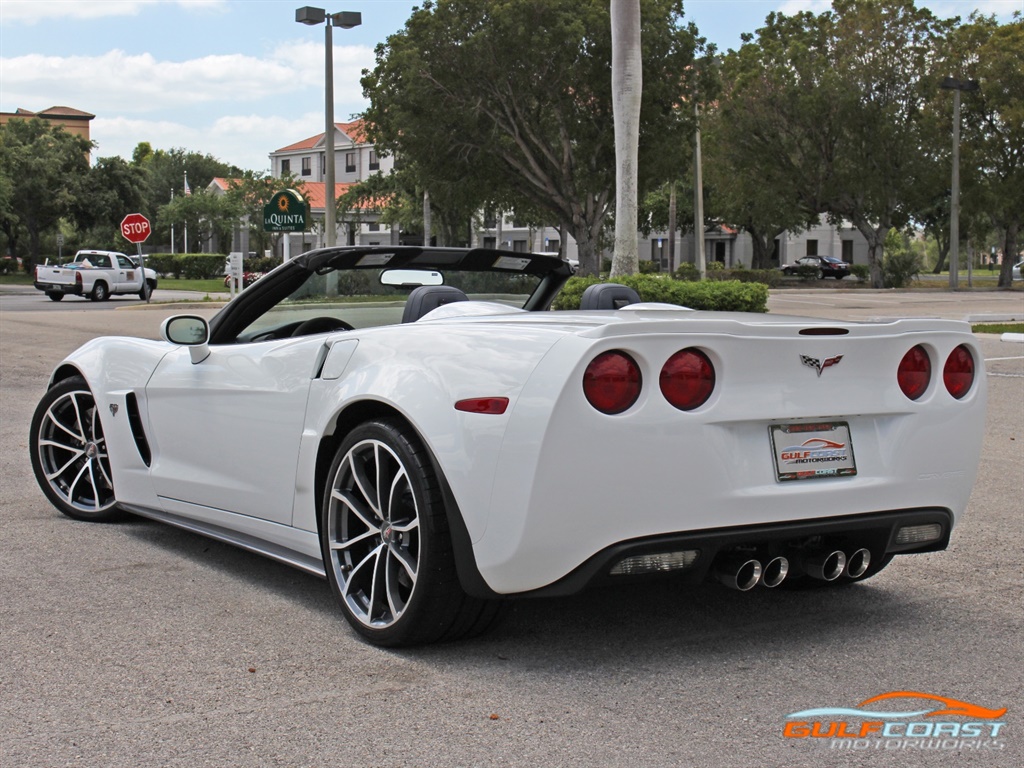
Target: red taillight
[[958, 373], [78, 277], [687, 379], [915, 372], [612, 382]]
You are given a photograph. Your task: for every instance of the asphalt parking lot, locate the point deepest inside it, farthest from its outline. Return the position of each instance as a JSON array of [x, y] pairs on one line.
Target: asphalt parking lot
[[136, 644]]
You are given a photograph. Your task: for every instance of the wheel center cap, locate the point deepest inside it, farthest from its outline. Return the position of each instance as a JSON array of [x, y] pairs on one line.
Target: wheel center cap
[[387, 535], [91, 450]]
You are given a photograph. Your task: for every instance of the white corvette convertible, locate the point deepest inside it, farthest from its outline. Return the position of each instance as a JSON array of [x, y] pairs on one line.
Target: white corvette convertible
[[414, 425]]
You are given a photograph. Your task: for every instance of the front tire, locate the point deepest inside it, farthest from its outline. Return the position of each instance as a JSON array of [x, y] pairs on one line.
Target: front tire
[[69, 452], [386, 543]]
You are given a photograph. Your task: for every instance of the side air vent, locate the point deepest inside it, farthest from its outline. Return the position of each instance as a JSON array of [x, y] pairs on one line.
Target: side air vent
[[135, 421], [824, 331]]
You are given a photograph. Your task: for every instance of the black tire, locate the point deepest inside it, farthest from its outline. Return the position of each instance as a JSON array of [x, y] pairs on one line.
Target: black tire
[[100, 292], [55, 295], [389, 560], [821, 275], [69, 453], [142, 291]]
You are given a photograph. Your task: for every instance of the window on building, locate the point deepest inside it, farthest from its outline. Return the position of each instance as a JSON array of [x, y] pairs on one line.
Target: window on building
[[307, 166], [519, 246], [490, 220], [490, 242], [552, 245], [812, 247], [374, 161], [350, 162], [373, 226], [720, 251], [323, 165], [286, 167], [848, 251]]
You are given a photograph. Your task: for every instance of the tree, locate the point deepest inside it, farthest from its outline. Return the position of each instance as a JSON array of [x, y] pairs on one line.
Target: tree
[[204, 215], [845, 90], [627, 91], [115, 189], [993, 137], [511, 101], [44, 170]]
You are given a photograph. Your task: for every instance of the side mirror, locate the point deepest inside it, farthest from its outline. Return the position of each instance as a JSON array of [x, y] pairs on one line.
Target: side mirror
[[189, 331]]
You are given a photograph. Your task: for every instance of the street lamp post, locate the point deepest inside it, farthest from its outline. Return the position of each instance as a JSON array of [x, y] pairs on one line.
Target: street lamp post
[[345, 20], [952, 84]]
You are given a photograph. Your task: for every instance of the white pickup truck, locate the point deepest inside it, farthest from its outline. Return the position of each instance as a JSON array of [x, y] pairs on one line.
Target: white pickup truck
[[96, 274]]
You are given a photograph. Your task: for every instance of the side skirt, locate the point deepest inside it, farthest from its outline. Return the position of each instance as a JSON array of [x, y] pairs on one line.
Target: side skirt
[[263, 547]]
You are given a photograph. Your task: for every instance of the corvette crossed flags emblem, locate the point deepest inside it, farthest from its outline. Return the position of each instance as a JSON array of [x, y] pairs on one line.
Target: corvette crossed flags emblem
[[820, 365]]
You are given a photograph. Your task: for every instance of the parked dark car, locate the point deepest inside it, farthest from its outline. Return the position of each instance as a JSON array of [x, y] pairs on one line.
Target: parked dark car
[[827, 266]]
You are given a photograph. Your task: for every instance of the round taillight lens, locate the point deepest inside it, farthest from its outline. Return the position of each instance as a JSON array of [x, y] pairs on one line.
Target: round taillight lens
[[958, 373], [915, 372], [612, 382], [687, 379]]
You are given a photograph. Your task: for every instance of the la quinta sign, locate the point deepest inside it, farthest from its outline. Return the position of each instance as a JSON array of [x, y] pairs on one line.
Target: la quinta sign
[[286, 212]]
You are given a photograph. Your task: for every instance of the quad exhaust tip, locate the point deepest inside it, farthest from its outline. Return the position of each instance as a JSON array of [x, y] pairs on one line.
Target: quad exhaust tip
[[827, 566], [857, 563], [775, 572], [739, 572]]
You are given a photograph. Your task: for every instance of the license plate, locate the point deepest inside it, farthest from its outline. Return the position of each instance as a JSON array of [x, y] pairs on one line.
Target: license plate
[[810, 451]]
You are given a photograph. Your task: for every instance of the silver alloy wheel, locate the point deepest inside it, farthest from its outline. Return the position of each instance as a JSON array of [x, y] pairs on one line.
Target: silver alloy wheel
[[73, 453], [373, 533]]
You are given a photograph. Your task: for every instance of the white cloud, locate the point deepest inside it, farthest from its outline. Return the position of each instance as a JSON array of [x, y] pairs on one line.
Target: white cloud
[[244, 140], [118, 82], [34, 11]]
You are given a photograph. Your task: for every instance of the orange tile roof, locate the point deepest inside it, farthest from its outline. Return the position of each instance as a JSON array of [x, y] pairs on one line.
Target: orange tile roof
[[314, 192], [354, 131]]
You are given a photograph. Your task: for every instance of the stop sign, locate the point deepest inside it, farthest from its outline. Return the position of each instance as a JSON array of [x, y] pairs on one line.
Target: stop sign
[[135, 228]]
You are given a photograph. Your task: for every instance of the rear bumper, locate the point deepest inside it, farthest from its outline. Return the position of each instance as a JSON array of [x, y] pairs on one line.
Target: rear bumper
[[75, 289], [876, 532]]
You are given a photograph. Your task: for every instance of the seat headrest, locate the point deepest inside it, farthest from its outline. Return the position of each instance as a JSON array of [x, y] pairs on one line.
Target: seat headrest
[[427, 297], [608, 296]]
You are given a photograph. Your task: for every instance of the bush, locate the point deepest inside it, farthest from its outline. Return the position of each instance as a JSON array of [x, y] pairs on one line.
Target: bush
[[9, 266], [648, 267], [807, 272], [769, 277], [718, 295], [687, 272], [163, 264], [199, 266], [860, 271], [900, 269]]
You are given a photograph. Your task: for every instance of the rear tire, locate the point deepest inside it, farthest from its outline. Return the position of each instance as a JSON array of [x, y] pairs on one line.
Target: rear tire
[[69, 452], [100, 292], [55, 295], [386, 543]]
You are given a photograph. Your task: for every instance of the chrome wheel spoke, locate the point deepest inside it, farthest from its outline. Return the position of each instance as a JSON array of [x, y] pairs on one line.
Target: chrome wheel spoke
[[373, 533], [72, 453]]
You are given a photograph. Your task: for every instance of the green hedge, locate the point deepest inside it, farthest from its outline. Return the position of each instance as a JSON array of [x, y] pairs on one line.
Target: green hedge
[[718, 295], [203, 266]]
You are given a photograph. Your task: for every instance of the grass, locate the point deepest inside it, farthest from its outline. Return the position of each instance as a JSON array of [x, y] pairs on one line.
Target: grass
[[998, 328], [215, 285]]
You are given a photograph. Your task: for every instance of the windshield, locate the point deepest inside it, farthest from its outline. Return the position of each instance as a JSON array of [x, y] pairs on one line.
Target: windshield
[[357, 298]]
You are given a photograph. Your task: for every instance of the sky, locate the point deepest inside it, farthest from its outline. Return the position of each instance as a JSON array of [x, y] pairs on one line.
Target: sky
[[237, 79]]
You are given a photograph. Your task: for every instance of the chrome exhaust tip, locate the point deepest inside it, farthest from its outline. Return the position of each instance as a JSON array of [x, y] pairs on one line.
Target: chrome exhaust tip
[[857, 564], [775, 572], [826, 566], [740, 573]]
